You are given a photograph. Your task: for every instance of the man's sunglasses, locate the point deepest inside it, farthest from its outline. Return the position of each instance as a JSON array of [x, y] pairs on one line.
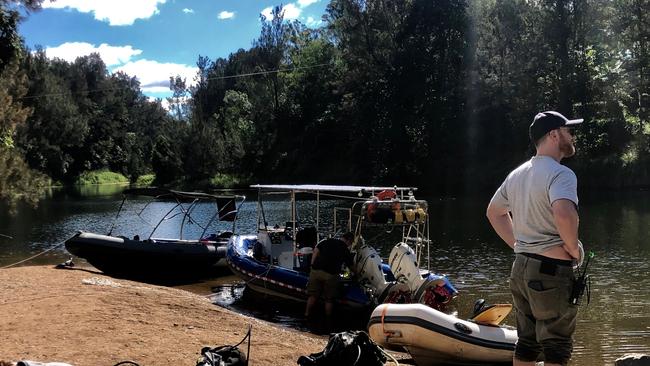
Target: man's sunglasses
[[570, 130]]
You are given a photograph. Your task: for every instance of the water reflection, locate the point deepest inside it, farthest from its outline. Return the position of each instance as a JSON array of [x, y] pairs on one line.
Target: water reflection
[[99, 190], [615, 226], [236, 296]]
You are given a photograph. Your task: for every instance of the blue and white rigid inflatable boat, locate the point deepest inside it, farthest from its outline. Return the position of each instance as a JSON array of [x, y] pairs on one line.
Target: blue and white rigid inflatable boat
[[275, 261], [277, 275]]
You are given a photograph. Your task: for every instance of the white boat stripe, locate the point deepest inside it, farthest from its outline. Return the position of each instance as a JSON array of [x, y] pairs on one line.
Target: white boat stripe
[[264, 278]]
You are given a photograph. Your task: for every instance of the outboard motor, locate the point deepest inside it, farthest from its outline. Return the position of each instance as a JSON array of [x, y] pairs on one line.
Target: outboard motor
[[368, 267], [432, 290]]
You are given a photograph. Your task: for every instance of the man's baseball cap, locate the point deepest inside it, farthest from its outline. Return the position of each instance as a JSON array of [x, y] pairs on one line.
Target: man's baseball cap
[[544, 122]]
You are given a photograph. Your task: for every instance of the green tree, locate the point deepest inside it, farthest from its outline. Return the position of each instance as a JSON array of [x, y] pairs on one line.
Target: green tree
[[167, 159], [631, 24], [57, 131], [271, 48], [427, 135], [237, 128], [319, 138], [364, 32], [17, 181], [11, 45], [178, 104]]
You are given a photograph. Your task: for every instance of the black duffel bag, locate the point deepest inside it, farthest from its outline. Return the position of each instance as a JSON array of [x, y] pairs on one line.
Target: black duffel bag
[[226, 355], [354, 348], [222, 356]]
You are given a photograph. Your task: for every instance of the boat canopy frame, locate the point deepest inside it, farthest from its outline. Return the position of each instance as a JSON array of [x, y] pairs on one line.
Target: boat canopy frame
[[230, 205], [330, 191], [416, 234]]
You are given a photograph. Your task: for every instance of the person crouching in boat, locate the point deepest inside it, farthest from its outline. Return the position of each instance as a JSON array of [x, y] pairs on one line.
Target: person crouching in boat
[[326, 263], [542, 196]]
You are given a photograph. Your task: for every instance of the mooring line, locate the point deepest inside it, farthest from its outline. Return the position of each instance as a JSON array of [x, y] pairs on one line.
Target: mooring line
[[32, 257]]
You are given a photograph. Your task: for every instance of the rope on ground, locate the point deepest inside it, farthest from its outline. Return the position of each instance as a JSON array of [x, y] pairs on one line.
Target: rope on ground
[[32, 257], [6, 236], [389, 356]]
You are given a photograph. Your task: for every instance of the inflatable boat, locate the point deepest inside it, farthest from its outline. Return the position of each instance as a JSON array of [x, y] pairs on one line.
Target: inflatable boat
[[433, 337], [149, 259], [276, 260], [277, 274], [157, 259]]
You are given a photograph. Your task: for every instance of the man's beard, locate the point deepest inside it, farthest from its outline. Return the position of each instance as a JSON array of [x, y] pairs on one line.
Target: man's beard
[[566, 147]]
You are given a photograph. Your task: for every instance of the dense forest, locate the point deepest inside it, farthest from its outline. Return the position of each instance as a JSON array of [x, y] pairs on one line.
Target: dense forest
[[436, 94]]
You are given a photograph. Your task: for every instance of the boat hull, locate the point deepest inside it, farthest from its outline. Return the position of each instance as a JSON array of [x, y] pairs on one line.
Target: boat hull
[[433, 337], [279, 281], [164, 259]]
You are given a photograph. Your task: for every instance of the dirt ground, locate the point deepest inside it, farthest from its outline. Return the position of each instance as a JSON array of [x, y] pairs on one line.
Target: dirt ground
[[81, 317], [84, 318]]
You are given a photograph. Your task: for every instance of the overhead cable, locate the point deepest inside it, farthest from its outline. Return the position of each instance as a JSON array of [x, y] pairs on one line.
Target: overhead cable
[[264, 72]]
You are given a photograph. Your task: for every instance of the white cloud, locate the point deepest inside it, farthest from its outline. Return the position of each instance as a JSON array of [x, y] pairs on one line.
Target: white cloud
[[311, 22], [111, 55], [267, 13], [226, 15], [188, 11], [115, 12], [165, 103], [291, 12], [305, 3], [154, 76]]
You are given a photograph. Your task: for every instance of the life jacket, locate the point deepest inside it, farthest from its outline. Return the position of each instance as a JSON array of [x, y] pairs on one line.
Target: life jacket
[[386, 195]]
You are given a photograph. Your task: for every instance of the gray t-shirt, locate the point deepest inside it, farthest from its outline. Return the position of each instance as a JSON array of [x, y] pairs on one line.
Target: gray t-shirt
[[528, 193]]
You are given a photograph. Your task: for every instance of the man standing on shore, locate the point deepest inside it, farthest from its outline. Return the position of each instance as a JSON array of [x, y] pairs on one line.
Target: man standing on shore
[[541, 195]]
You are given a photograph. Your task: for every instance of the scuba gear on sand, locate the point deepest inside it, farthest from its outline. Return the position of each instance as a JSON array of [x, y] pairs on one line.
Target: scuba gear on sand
[[226, 355], [347, 348]]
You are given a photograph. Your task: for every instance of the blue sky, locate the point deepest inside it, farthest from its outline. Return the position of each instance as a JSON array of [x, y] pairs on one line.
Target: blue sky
[[155, 39]]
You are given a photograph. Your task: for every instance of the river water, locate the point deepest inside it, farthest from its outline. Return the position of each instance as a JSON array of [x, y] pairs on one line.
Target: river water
[[616, 226]]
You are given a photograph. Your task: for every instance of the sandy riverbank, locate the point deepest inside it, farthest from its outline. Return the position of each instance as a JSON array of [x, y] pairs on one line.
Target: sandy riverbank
[[82, 317]]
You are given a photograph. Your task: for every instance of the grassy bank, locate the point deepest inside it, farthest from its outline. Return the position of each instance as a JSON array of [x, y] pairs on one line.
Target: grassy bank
[[101, 177], [225, 181], [218, 181], [145, 180]]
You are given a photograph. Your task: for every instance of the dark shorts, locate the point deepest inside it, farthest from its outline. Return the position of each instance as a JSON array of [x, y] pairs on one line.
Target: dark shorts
[[323, 284], [541, 289]]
